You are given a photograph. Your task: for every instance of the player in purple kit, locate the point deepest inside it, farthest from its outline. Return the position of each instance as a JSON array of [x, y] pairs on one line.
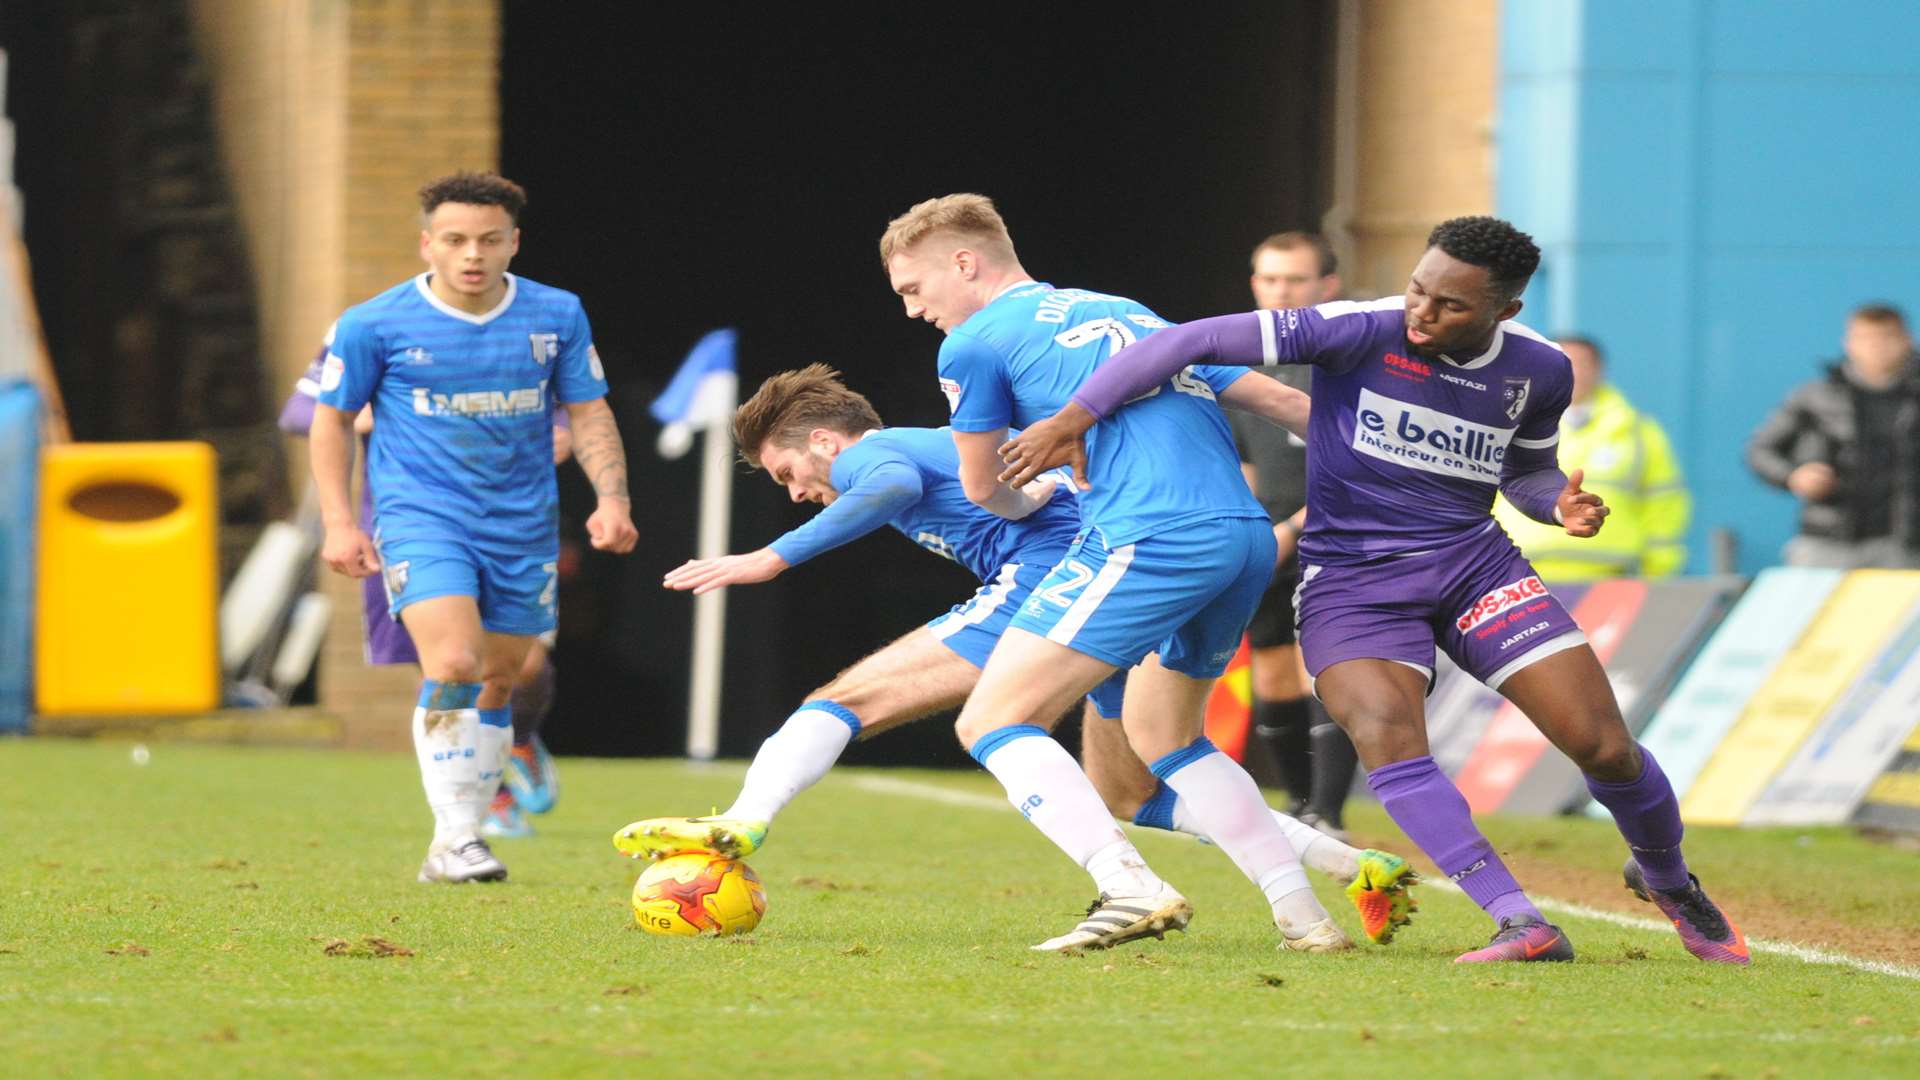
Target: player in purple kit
[[1424, 405]]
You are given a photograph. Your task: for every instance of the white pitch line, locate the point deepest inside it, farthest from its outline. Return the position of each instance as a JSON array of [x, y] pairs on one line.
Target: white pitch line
[[888, 785]]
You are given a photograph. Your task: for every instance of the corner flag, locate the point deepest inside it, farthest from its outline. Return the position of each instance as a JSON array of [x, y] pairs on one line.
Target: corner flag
[[703, 392], [702, 397]]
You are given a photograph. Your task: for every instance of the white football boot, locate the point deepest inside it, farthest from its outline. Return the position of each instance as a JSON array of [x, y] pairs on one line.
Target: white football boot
[[1112, 920], [1322, 937], [457, 865]]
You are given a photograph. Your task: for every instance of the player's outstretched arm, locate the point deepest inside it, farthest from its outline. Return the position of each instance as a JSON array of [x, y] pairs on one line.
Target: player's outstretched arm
[[1247, 339], [1270, 399], [347, 549], [1243, 339], [705, 575], [603, 457]]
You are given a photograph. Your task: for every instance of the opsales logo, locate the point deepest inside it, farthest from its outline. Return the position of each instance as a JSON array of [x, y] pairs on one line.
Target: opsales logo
[[1500, 600]]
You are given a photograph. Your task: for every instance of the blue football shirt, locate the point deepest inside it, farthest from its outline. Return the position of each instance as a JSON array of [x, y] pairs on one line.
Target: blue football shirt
[[462, 445], [1164, 461], [909, 478]]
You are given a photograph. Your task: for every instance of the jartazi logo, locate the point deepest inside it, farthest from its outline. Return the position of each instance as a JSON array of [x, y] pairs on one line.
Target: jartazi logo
[[1524, 635], [1427, 439], [1500, 600]]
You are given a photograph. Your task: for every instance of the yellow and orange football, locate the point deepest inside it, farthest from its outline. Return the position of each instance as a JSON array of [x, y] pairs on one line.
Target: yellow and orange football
[[698, 893]]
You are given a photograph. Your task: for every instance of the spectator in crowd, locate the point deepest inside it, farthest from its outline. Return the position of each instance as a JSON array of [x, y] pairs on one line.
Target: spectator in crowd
[[1847, 445], [1630, 464], [1314, 759]]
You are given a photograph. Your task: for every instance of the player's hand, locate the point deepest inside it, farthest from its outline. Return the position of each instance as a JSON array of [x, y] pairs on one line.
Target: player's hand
[[1581, 512], [706, 575], [1286, 542], [1040, 492], [1057, 440], [1813, 481], [348, 550], [611, 527]]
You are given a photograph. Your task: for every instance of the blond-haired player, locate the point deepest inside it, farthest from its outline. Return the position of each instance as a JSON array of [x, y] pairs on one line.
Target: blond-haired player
[[1170, 561]]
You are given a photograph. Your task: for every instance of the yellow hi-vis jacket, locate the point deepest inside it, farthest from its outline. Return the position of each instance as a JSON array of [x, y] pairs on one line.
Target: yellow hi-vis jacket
[[1630, 465]]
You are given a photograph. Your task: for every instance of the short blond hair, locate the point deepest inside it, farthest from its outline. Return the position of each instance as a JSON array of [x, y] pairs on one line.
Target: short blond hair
[[970, 218]]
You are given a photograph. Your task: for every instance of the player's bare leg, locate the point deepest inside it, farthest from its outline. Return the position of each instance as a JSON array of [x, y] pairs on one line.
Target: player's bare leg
[[1568, 698], [1117, 773], [912, 677]]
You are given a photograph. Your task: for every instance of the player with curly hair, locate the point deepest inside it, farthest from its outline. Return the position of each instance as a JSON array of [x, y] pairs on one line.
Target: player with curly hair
[[1424, 405]]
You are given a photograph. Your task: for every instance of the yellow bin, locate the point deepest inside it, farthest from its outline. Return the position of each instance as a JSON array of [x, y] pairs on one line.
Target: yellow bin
[[129, 584]]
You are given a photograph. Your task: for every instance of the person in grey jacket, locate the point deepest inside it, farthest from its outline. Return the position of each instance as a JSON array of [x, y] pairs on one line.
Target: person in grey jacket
[[1847, 445]]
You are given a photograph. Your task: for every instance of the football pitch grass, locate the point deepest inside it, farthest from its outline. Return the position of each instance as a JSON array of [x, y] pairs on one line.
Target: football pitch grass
[[221, 910]]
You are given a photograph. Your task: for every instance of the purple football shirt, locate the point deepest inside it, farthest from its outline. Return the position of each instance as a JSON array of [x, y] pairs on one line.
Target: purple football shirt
[[1404, 452]]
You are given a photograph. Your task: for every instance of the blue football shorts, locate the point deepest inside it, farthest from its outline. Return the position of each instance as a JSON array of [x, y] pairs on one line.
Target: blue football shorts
[[517, 594], [972, 629], [1186, 593]]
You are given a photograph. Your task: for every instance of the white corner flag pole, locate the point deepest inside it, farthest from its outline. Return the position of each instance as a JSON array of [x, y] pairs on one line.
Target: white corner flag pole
[[710, 610]]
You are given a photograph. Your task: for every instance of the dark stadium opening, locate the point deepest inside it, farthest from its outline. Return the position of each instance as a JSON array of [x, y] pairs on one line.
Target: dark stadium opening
[[739, 173]]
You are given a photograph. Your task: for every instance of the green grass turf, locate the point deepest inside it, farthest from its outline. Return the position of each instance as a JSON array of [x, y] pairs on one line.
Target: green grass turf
[[173, 919]]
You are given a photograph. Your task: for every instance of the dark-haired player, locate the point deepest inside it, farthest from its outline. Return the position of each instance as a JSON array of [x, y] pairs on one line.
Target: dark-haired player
[[1424, 405], [532, 781], [824, 444], [462, 365]]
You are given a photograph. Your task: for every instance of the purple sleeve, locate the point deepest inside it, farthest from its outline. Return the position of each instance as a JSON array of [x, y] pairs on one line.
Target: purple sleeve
[[1138, 368], [1250, 339], [1533, 492], [296, 416], [1530, 475]]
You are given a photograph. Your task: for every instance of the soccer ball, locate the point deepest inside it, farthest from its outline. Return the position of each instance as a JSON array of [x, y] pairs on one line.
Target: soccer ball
[[698, 893]]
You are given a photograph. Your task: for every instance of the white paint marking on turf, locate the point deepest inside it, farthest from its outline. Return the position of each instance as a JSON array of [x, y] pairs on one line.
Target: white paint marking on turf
[[887, 785], [1804, 953]]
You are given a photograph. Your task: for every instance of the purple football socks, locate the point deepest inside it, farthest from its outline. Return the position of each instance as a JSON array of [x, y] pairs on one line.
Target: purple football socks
[[1647, 814], [1434, 815]]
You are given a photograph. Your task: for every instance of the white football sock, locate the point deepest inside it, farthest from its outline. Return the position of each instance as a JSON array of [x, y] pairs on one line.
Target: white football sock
[[1225, 803], [446, 742], [1044, 783], [1317, 850], [493, 740], [792, 760]]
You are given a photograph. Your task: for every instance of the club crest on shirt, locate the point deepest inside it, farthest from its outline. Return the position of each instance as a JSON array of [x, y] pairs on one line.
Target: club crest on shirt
[[545, 347], [1513, 394]]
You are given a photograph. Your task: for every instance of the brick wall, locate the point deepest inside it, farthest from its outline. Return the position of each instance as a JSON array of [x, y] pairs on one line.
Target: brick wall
[[1427, 77], [332, 113]]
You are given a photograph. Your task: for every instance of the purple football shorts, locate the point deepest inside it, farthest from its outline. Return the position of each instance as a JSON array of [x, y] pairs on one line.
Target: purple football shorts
[[1477, 598]]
